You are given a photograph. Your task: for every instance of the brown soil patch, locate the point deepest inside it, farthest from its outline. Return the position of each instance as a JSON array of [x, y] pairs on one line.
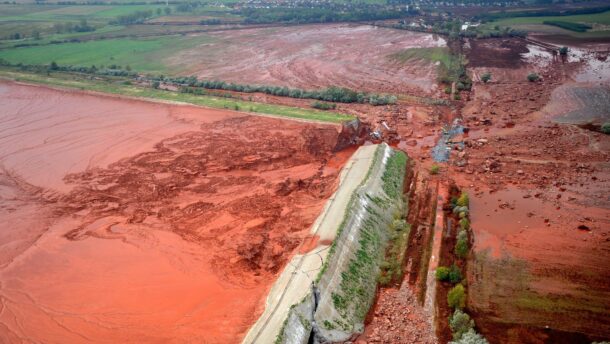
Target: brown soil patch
[[176, 234], [315, 56], [505, 53]]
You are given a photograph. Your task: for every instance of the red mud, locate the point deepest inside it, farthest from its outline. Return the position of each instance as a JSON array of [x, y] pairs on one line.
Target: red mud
[[534, 276], [127, 221], [315, 56]]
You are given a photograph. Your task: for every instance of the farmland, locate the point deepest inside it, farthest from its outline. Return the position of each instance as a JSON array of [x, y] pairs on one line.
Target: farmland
[[599, 24], [144, 55]]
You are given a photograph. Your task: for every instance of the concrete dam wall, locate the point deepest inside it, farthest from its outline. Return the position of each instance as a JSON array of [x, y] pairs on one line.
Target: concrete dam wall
[[323, 296]]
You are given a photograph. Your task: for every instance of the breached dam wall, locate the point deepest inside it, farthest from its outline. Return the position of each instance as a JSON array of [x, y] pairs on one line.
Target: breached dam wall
[[333, 287]]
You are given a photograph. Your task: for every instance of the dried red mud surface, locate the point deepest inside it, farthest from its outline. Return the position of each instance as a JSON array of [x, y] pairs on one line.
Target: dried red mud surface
[[127, 221], [315, 56]]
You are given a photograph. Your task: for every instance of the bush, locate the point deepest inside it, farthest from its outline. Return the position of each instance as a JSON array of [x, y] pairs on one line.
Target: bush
[[323, 105], [155, 84], [460, 210], [563, 50], [455, 275], [442, 273], [457, 97], [463, 200], [382, 99], [457, 297], [464, 224], [532, 77], [435, 169], [448, 89], [606, 128], [471, 337], [460, 323], [486, 77], [461, 246]]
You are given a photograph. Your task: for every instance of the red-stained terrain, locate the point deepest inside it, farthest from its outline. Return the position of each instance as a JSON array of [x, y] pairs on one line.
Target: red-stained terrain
[[128, 221], [315, 56], [539, 179]]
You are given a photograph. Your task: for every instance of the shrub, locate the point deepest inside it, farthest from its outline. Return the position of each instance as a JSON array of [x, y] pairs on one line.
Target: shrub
[[563, 50], [463, 200], [448, 89], [323, 105], [460, 323], [606, 128], [457, 97], [461, 246], [455, 275], [442, 273], [381, 99], [464, 224], [155, 84], [435, 169], [471, 337], [458, 210], [486, 77], [533, 77], [457, 297]]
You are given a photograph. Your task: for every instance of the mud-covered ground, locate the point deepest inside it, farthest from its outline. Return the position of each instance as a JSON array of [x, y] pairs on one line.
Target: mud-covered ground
[[315, 56], [130, 221], [539, 188]]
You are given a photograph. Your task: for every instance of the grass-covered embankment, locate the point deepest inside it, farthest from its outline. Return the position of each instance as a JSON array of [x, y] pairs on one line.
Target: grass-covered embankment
[[121, 87], [357, 253]]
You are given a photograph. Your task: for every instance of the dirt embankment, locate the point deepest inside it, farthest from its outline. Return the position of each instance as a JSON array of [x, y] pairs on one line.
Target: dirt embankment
[[144, 222], [540, 212]]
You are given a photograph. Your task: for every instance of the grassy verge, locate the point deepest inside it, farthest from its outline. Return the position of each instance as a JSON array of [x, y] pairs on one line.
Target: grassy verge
[[392, 266], [116, 86], [451, 67], [437, 54]]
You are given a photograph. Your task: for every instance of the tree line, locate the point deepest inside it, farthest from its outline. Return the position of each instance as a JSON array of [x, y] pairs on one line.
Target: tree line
[[330, 94], [303, 15], [191, 84], [133, 18]]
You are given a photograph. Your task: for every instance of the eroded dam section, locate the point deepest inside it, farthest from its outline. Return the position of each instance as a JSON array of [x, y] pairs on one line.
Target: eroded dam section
[[324, 294]]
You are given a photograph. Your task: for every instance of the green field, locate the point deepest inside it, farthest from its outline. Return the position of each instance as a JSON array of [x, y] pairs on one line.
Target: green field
[[118, 87], [598, 18], [62, 12], [438, 54], [599, 21], [142, 55]]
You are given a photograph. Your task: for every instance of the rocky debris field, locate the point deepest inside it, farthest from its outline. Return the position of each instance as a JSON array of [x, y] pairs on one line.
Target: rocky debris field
[[398, 318]]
